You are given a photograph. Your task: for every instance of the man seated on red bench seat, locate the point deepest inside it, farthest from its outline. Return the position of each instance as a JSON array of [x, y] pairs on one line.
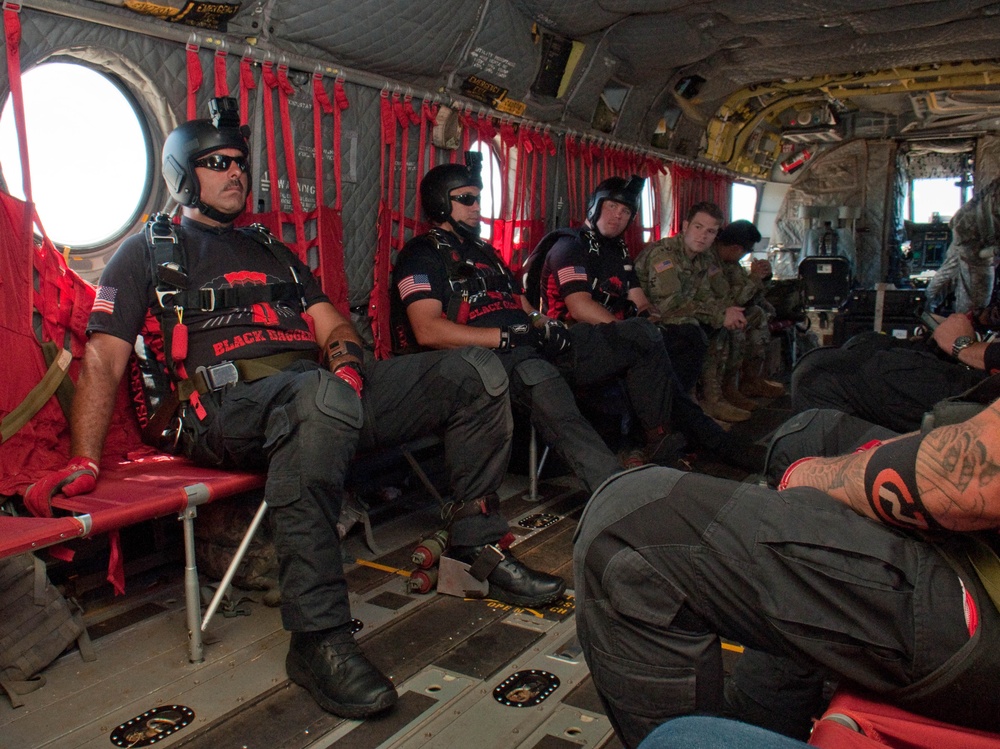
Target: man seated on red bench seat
[[863, 565], [243, 324]]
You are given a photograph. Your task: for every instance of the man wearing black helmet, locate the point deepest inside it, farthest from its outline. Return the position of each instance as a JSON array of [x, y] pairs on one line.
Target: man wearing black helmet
[[587, 280], [452, 289], [243, 325]]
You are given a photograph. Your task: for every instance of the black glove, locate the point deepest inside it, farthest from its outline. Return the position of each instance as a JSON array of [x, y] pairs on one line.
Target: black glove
[[555, 338], [512, 336]]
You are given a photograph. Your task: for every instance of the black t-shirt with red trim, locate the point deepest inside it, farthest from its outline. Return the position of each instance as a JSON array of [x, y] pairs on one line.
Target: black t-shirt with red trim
[[423, 268], [217, 259], [571, 266]]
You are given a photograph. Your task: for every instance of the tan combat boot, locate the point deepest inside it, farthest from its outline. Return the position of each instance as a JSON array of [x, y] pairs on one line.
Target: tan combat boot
[[732, 393], [753, 383], [714, 404]]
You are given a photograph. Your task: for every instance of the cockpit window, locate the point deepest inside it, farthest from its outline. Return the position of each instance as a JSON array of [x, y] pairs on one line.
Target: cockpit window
[[933, 199], [743, 202], [88, 150]]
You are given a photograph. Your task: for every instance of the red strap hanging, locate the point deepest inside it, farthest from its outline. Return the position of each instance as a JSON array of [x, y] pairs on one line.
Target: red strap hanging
[[12, 35], [194, 80], [428, 115], [406, 116], [340, 101], [572, 184], [321, 106], [271, 83], [247, 84], [378, 304], [286, 89], [329, 239], [221, 84]]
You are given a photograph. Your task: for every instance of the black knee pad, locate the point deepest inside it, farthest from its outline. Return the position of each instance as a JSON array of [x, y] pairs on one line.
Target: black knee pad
[[488, 369], [536, 371], [647, 329]]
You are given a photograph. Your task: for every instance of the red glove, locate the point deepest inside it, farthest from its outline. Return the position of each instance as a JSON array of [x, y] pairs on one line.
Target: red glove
[[78, 477], [351, 376]]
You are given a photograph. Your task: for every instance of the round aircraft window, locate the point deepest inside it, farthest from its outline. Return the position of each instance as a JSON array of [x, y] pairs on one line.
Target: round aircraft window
[[88, 150]]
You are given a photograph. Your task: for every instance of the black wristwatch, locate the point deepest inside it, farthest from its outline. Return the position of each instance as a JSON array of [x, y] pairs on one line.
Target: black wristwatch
[[963, 341]]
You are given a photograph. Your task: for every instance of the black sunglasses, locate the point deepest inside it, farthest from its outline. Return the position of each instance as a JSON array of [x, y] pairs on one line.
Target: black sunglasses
[[218, 162], [466, 198]]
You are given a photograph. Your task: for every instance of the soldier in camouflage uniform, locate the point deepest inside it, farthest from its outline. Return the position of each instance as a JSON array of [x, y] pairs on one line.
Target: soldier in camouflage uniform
[[677, 275], [970, 262], [736, 357]]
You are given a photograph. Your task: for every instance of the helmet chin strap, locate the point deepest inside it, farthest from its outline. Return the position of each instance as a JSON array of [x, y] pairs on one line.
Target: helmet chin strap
[[217, 215], [464, 230]]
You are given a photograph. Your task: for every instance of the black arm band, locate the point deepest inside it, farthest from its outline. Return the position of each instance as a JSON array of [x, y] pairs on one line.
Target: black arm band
[[991, 358], [341, 353], [504, 339], [891, 485]]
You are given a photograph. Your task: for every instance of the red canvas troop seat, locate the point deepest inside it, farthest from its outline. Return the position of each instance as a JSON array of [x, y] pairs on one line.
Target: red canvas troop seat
[[43, 301], [883, 725]]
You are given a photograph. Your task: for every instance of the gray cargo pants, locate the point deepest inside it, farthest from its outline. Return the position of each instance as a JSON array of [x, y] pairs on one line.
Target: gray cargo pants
[[667, 562], [303, 426]]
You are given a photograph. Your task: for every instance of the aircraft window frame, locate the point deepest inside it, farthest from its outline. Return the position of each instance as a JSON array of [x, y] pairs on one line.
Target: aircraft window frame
[[646, 211], [491, 196], [125, 223], [738, 208], [610, 105]]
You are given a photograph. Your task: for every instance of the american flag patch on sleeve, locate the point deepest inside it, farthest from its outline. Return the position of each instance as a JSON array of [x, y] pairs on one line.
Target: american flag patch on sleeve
[[663, 265], [105, 301], [571, 273], [414, 284]]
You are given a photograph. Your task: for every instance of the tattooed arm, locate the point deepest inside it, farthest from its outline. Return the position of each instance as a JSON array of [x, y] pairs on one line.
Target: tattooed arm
[[953, 482]]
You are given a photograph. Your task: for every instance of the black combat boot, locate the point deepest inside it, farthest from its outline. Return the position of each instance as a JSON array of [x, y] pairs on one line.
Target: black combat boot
[[510, 580], [663, 447], [740, 453], [331, 666]]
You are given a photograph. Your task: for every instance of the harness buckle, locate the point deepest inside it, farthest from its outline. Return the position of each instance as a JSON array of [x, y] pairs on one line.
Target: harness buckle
[[160, 229], [219, 376], [164, 296], [207, 294]]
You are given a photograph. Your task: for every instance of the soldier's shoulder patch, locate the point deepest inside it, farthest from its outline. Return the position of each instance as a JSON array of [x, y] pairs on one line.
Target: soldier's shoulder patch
[[663, 265]]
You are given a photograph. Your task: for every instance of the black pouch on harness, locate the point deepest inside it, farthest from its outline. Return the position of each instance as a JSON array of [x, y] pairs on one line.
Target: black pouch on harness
[[36, 627]]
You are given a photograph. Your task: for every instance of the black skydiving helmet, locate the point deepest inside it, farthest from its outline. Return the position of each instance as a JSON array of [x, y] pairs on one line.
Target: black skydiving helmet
[[618, 189], [194, 139], [436, 187]]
